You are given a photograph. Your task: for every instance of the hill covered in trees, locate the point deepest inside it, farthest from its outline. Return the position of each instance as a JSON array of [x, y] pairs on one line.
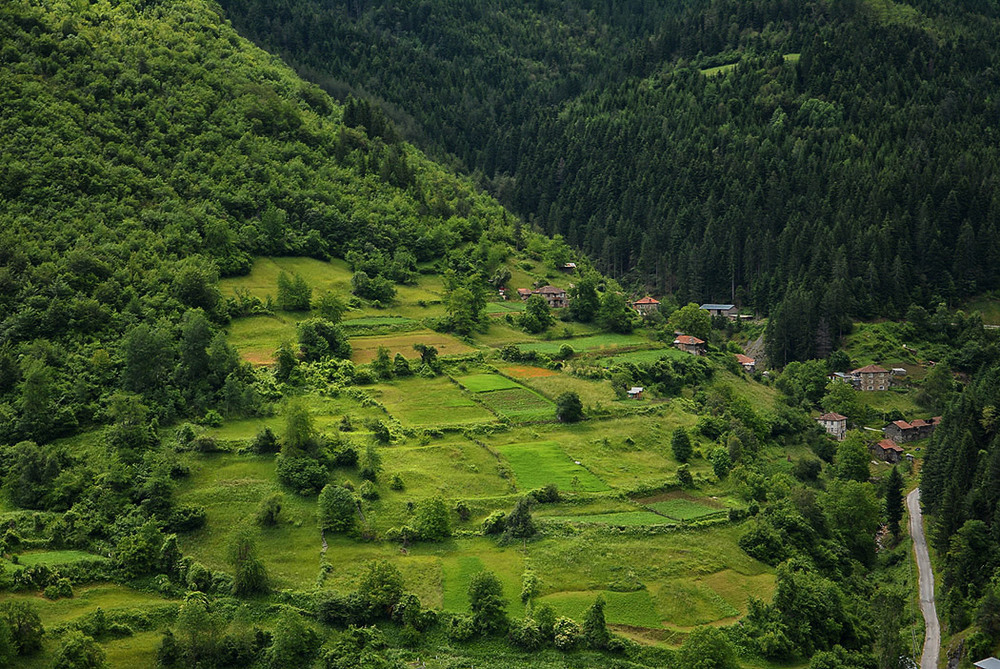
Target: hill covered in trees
[[840, 157]]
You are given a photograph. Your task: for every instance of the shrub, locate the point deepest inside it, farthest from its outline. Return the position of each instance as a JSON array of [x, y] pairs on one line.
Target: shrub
[[463, 511], [265, 441], [495, 523], [432, 520], [546, 495], [368, 491], [526, 634], [337, 509], [269, 509], [78, 651], [59, 589], [304, 475], [566, 634], [684, 476], [396, 482], [187, 518], [461, 628]]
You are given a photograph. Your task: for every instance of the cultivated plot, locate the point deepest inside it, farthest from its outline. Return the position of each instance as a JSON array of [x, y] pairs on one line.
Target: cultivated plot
[[364, 349], [586, 344], [620, 608], [436, 402], [518, 404], [539, 463]]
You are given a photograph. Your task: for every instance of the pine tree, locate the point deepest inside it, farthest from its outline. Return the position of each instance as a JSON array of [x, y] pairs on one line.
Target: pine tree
[[894, 501]]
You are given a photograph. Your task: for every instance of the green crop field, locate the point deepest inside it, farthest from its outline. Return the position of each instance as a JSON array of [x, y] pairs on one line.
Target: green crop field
[[518, 404], [453, 468], [540, 463], [684, 509], [621, 608], [364, 349], [431, 403], [622, 519], [591, 392], [482, 383], [369, 321], [587, 343]]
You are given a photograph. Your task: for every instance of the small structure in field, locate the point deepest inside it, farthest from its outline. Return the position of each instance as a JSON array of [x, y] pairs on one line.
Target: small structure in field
[[690, 344], [646, 306], [569, 267], [727, 310], [635, 393], [901, 431], [888, 450], [873, 378], [898, 371], [834, 424], [749, 364]]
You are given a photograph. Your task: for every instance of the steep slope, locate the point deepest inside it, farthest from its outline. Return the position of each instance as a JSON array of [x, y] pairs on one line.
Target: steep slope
[[147, 148], [861, 167]]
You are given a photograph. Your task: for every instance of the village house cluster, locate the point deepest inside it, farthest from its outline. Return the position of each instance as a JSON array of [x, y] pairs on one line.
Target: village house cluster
[[869, 378], [895, 433]]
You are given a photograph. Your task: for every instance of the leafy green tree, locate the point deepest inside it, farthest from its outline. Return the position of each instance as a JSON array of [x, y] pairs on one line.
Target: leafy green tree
[[803, 382], [721, 462], [337, 509], [319, 338], [293, 643], [615, 314], [381, 588], [149, 358], [78, 651], [269, 509], [433, 522], [487, 603], [198, 629], [463, 313], [584, 302], [301, 438], [569, 408], [7, 650], [842, 398], [852, 459], [428, 355], [401, 366], [680, 444], [530, 587], [536, 316], [294, 294], [137, 554], [691, 320], [286, 362], [370, 463], [376, 288], [971, 559], [854, 515], [25, 626], [249, 573], [329, 307], [382, 364], [707, 648], [595, 628], [894, 501], [519, 522], [936, 388]]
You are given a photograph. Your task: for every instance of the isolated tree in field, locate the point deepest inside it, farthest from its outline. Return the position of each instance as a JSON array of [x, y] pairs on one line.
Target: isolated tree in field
[[330, 307], [691, 320], [569, 408], [249, 572], [381, 588], [285, 362], [530, 587], [487, 603], [894, 501], [852, 459], [595, 628], [370, 463], [680, 444], [519, 522], [337, 509], [294, 294], [401, 366], [433, 522], [269, 510], [300, 433], [536, 316], [428, 355], [382, 364]]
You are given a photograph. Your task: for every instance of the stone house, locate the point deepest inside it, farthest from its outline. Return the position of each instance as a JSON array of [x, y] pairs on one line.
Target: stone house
[[749, 364], [834, 424], [727, 310], [901, 431], [556, 297], [888, 450], [873, 378], [690, 344], [646, 306]]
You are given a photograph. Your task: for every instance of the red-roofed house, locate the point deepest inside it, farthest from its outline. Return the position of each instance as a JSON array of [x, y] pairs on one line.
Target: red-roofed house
[[834, 424], [690, 344], [873, 377], [556, 297], [646, 306], [749, 364], [888, 450], [900, 431]]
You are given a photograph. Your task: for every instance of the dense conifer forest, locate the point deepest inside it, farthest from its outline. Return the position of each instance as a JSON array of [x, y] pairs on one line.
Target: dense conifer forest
[[837, 158]]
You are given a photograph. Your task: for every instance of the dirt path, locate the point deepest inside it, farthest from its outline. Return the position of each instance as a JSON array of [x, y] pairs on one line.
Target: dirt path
[[932, 636]]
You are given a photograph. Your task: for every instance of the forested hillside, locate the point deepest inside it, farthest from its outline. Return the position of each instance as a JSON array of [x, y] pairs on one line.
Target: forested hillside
[[144, 151], [844, 157]]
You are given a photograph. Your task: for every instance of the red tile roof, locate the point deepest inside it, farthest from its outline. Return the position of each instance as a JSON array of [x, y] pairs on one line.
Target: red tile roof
[[744, 360], [887, 445], [870, 369], [902, 424], [688, 340], [919, 423], [647, 300], [832, 416]]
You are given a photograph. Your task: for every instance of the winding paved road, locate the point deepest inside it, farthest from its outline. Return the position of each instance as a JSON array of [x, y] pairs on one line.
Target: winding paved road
[[932, 636]]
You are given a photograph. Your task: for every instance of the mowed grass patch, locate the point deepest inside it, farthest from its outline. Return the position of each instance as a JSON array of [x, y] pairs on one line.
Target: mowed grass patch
[[620, 608], [263, 277], [85, 599], [527, 371], [587, 343], [256, 338], [501, 308], [364, 349], [461, 559], [481, 383], [591, 392], [518, 404], [622, 519], [326, 413], [137, 650], [685, 509], [436, 402], [453, 469], [539, 463]]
